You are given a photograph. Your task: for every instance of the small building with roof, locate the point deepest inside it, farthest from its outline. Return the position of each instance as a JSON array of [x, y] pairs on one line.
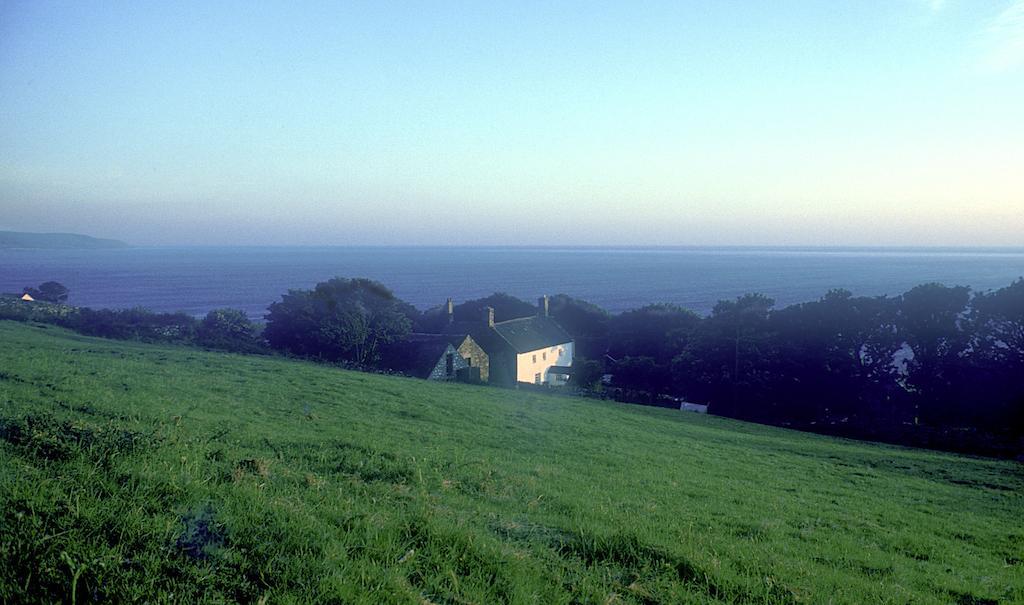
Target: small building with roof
[[533, 349], [536, 344], [559, 375], [433, 357]]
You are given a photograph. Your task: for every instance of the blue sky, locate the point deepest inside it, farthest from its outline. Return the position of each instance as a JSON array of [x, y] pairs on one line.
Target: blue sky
[[849, 123]]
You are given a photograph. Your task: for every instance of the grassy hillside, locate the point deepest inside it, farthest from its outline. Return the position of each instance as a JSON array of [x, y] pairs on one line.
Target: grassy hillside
[[135, 472]]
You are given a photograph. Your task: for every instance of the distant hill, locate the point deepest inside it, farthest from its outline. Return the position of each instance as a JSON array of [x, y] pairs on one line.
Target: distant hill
[[55, 241]]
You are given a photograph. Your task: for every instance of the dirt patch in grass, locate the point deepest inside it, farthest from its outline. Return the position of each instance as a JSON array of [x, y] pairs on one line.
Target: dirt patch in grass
[[202, 535]]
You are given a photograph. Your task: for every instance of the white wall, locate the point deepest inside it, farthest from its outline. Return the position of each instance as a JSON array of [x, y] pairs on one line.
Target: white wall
[[526, 367]]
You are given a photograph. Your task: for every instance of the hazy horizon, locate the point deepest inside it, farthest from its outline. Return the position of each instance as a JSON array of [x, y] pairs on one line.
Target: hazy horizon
[[884, 123], [827, 248]]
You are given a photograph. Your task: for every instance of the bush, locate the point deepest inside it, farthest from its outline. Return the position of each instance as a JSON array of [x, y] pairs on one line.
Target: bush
[[44, 312], [135, 324], [228, 330]]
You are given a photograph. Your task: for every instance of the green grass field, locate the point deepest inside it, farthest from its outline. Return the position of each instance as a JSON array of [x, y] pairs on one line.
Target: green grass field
[[131, 472]]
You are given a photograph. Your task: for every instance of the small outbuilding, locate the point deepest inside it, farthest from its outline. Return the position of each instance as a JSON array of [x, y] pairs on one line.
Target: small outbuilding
[[686, 406], [533, 349], [559, 375], [432, 357], [27, 297]]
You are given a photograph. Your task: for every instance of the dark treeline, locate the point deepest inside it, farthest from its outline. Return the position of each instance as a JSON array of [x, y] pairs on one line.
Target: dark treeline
[[937, 366], [221, 329]]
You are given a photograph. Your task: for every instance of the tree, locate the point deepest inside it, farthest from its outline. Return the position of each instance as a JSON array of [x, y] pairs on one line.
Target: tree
[[641, 373], [228, 329], [505, 307], [340, 319], [995, 372], [659, 331], [724, 361], [832, 359], [51, 291], [586, 373], [998, 322], [579, 317], [930, 319]]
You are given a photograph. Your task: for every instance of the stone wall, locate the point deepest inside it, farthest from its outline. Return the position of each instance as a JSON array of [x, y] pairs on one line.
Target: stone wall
[[477, 357], [440, 371]]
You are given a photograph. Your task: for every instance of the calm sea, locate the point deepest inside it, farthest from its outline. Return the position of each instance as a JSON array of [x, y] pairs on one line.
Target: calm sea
[[196, 279]]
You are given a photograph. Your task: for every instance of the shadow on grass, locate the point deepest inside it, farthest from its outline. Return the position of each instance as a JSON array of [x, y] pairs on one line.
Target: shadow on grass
[[631, 561], [43, 437]]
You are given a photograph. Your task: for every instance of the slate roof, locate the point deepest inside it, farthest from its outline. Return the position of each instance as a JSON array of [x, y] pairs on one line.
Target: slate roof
[[462, 327], [418, 354], [488, 340], [531, 333], [563, 370]]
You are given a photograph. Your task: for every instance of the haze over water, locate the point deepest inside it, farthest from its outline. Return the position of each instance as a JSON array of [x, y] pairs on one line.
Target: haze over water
[[196, 279]]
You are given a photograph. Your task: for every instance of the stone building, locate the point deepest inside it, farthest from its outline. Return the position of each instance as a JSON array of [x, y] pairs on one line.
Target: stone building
[[434, 357], [533, 349]]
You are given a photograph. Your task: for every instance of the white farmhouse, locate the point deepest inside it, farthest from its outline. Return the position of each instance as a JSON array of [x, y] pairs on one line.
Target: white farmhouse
[[533, 350]]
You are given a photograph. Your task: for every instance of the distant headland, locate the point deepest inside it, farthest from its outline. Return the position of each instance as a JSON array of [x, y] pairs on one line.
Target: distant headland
[[56, 241]]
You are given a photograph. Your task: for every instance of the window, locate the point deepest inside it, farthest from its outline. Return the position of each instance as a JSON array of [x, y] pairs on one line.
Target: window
[[536, 377], [544, 355], [534, 358], [449, 364]]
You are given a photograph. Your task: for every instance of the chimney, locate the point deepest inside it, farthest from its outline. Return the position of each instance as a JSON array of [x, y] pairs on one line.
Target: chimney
[[451, 311], [489, 316], [542, 306]]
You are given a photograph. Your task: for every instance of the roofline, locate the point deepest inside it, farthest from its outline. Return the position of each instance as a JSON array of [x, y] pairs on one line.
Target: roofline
[[505, 340], [508, 321], [528, 317], [502, 336], [524, 352]]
